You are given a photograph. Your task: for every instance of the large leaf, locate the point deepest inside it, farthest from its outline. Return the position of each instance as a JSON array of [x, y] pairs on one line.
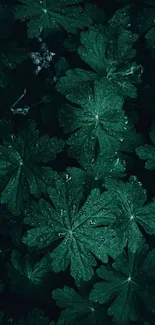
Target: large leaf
[[110, 54], [52, 15], [100, 121], [22, 170], [77, 308], [133, 211], [74, 227], [131, 277]]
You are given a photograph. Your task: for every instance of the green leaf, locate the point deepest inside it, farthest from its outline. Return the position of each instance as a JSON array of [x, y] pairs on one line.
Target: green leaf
[[150, 40], [27, 273], [109, 54], [132, 211], [145, 20], [132, 139], [122, 16], [78, 309], [61, 66], [97, 14], [102, 168], [147, 152], [130, 277], [97, 43], [52, 16], [22, 170], [99, 122], [76, 225], [36, 317], [79, 80], [71, 43]]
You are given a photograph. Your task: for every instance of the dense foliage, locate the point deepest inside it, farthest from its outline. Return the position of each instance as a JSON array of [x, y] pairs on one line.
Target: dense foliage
[[77, 161]]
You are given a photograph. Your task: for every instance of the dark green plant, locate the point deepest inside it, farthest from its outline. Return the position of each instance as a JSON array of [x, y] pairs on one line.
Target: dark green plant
[[77, 161]]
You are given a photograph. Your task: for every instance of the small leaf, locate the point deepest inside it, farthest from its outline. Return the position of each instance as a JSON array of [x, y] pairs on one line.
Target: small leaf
[[27, 273], [78, 309], [147, 152]]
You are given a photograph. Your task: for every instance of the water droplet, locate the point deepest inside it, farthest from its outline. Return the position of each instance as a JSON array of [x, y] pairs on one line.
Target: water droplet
[[92, 222], [61, 234], [45, 10]]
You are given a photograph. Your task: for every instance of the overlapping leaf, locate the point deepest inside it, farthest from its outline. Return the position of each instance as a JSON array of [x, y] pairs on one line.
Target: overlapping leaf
[[78, 309], [147, 152], [22, 169], [132, 211], [130, 279], [97, 15], [110, 55], [99, 122], [103, 167], [27, 273], [50, 16], [75, 225]]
